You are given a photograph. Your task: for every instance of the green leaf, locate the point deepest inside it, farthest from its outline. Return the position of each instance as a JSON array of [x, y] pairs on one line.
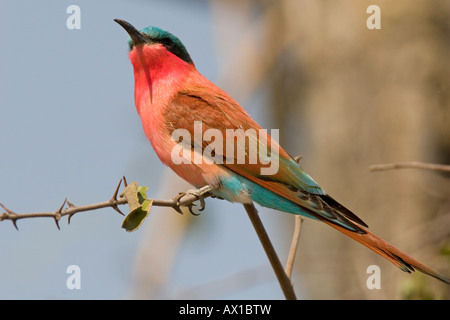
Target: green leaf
[[131, 194], [133, 221], [139, 206]]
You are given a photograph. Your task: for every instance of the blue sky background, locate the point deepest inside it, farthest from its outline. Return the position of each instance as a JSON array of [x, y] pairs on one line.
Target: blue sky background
[[69, 129]]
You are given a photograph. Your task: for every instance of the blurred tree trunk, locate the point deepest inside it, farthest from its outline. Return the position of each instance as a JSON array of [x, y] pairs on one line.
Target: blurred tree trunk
[[346, 97]]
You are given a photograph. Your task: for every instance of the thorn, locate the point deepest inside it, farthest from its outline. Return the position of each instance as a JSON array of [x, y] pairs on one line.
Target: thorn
[[62, 206], [69, 217], [57, 222], [177, 209], [115, 207], [178, 198], [10, 212], [114, 197], [71, 205], [125, 181], [176, 206], [298, 158], [58, 214]]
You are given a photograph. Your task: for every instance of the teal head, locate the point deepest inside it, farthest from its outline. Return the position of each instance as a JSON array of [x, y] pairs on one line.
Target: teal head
[[153, 35]]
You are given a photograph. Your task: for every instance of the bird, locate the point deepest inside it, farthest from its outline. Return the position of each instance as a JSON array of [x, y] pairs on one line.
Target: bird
[[177, 105]]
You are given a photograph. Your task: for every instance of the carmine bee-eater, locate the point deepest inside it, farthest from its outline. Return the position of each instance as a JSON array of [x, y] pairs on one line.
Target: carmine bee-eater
[[172, 97]]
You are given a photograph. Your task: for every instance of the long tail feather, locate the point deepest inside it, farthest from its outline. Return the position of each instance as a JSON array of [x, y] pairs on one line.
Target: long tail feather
[[388, 251]]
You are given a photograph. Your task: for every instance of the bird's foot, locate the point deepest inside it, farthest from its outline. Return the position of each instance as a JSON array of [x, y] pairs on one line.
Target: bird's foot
[[199, 194]]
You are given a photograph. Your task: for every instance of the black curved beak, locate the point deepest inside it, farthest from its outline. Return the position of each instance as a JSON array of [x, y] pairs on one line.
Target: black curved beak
[[137, 37]]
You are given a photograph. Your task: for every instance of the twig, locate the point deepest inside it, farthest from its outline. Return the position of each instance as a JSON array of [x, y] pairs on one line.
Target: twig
[[413, 164], [187, 199], [282, 277], [295, 237], [294, 245]]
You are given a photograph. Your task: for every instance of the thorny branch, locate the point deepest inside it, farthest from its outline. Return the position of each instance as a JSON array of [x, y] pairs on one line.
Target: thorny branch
[[183, 200]]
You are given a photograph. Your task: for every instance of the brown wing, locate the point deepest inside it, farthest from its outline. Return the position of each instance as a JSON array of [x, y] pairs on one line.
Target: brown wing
[[220, 112]]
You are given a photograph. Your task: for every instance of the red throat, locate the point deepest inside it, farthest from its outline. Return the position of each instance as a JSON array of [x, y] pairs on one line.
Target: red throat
[[158, 74]]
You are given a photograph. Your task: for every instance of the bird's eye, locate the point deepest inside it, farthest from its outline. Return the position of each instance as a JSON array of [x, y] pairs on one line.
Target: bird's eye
[[166, 41]]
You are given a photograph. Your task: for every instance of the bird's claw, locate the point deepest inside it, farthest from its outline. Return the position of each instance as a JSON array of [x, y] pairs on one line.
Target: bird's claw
[[192, 204], [198, 193]]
